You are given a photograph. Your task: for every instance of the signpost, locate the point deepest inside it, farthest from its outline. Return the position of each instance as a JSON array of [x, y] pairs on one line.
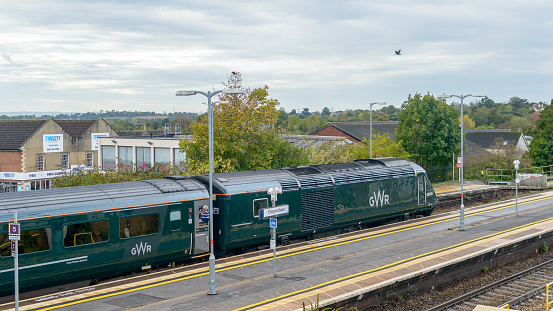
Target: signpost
[[273, 212], [517, 181], [14, 236]]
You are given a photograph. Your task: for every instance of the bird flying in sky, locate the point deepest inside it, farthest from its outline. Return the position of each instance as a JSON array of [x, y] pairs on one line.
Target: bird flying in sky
[[398, 52]]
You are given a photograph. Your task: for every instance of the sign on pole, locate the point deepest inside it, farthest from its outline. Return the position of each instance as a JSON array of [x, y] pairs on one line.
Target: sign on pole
[[274, 211], [14, 231], [273, 222]]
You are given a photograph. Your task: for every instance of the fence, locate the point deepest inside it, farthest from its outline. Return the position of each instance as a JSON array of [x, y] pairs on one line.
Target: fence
[[497, 176]]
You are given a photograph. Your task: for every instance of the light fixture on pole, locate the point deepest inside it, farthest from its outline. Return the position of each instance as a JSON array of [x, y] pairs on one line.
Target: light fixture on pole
[[209, 94], [517, 181], [371, 126], [462, 219]]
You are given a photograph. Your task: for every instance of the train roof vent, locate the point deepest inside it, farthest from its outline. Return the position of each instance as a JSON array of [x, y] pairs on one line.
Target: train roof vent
[[166, 185], [314, 181], [289, 184], [403, 171], [304, 170], [392, 161], [340, 178]]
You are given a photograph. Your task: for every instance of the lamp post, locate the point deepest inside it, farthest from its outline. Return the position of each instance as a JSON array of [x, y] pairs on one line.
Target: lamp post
[[209, 94], [371, 126], [462, 219], [517, 181]]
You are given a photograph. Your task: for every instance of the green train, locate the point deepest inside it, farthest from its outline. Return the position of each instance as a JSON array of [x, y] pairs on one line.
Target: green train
[[83, 233]]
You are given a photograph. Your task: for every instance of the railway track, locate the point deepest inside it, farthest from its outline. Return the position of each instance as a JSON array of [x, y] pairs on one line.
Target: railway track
[[511, 291]]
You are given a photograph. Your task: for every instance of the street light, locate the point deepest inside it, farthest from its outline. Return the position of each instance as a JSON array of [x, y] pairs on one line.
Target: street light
[[517, 181], [209, 94], [371, 126], [462, 219]]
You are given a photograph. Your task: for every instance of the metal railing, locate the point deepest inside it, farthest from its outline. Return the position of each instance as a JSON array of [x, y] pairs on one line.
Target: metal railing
[[504, 176]]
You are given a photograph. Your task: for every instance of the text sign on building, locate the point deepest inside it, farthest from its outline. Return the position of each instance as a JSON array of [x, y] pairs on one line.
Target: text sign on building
[[95, 141], [52, 143], [274, 211]]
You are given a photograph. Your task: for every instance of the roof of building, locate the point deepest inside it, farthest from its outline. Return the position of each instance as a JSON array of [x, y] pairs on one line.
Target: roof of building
[[14, 133], [360, 130], [75, 128], [145, 133], [309, 141], [488, 138]]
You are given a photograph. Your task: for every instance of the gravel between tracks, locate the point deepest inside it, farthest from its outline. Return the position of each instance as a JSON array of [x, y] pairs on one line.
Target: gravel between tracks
[[422, 300]]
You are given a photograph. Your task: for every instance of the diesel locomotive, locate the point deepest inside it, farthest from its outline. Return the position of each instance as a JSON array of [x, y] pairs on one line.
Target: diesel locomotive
[[83, 233]]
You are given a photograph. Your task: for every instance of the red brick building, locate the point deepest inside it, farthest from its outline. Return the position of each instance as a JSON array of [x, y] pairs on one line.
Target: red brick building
[[357, 131]]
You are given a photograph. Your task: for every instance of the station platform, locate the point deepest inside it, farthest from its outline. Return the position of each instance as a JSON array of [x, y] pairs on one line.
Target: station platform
[[352, 269]]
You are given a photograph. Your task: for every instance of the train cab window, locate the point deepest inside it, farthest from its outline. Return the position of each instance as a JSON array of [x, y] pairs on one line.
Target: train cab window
[[32, 241], [85, 233], [259, 204], [138, 225], [175, 219]]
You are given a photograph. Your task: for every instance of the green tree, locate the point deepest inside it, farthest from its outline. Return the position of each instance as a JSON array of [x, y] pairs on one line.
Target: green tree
[[245, 136], [429, 130], [382, 145], [541, 147]]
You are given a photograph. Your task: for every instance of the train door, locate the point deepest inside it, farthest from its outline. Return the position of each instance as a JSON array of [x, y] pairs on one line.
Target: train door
[[201, 230], [421, 189]]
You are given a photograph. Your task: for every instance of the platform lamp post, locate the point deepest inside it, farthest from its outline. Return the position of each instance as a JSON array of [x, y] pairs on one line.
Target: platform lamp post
[[517, 181], [371, 126], [462, 219], [209, 94]]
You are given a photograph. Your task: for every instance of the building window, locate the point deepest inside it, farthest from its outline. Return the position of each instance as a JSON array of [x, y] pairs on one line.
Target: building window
[[40, 162], [89, 162], [179, 158], [125, 156], [108, 158], [143, 157], [162, 155], [65, 160]]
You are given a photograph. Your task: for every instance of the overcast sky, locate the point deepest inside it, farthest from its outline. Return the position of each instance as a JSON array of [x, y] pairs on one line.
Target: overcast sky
[[79, 56]]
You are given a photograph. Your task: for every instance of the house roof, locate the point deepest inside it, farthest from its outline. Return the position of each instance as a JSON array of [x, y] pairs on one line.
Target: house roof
[[147, 133], [14, 133], [75, 128], [360, 130], [488, 138], [309, 141]]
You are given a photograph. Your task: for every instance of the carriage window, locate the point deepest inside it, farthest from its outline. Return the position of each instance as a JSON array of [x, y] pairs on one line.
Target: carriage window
[[138, 225], [175, 218], [35, 240], [259, 204], [85, 233]]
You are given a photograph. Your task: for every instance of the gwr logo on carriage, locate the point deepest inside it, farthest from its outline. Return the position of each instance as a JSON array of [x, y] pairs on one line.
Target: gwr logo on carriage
[[141, 249], [379, 198]]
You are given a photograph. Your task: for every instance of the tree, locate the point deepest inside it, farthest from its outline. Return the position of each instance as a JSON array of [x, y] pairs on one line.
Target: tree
[[325, 112], [541, 147], [245, 136], [382, 145], [429, 130], [467, 122]]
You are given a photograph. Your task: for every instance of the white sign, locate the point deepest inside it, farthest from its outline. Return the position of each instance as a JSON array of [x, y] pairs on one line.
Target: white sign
[[274, 211], [94, 139], [52, 143], [459, 159]]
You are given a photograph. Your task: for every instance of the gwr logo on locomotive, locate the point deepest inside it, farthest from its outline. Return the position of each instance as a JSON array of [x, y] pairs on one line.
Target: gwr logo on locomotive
[[379, 198], [141, 249]]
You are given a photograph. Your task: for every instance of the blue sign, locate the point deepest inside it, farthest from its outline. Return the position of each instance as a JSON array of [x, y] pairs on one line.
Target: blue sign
[[273, 223]]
